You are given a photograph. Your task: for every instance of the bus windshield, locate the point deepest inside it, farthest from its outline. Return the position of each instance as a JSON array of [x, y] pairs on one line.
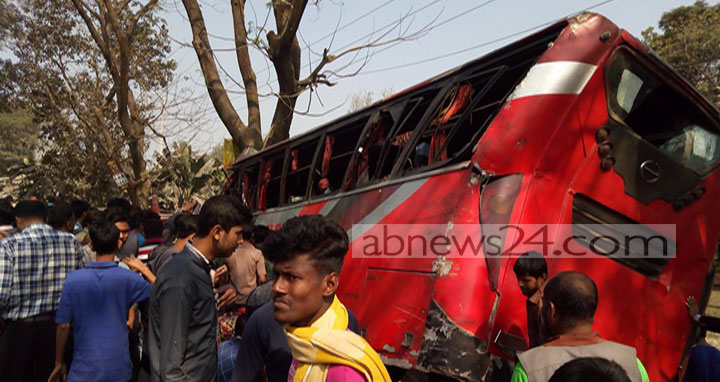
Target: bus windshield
[[661, 115]]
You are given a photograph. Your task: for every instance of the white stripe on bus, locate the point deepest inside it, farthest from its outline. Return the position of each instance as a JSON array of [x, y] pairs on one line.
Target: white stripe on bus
[[557, 77], [385, 208]]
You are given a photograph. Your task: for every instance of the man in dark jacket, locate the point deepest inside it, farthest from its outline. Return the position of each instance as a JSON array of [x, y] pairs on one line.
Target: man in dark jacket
[[183, 310]]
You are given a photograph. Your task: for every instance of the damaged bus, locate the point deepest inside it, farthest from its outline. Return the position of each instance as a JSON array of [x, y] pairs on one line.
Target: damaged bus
[[577, 124]]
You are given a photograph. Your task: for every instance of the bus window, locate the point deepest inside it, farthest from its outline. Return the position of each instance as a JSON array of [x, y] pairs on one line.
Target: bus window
[[430, 146], [248, 185], [270, 178], [364, 165], [414, 112], [339, 147], [299, 163], [661, 115]]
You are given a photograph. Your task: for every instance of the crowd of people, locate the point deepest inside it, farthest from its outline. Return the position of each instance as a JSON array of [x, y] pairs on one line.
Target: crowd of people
[[120, 294]]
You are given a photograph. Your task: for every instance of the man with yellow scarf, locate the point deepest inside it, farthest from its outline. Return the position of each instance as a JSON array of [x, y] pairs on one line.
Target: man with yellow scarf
[[308, 253]]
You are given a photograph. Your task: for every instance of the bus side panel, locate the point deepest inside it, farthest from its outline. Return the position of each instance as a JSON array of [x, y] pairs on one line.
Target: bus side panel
[[458, 300], [556, 152]]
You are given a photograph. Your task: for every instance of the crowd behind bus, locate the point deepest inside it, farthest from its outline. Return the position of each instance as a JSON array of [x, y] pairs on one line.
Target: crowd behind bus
[[119, 294]]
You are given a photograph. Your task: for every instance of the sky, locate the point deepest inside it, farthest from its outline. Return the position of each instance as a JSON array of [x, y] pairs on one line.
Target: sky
[[441, 34]]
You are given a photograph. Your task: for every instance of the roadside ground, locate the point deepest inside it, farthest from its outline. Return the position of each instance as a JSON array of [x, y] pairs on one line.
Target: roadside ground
[[713, 309]]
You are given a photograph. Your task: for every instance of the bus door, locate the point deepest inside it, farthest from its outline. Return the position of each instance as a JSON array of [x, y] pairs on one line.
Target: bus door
[[650, 165]]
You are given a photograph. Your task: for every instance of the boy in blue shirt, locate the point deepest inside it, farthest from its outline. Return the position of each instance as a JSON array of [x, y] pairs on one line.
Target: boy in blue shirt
[[96, 300]]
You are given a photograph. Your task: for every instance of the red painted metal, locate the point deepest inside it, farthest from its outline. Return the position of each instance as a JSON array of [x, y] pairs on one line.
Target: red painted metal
[[550, 140]]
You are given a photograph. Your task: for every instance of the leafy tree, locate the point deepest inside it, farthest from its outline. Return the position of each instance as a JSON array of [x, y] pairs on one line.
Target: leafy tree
[[689, 39], [183, 173], [8, 13], [101, 67], [19, 140]]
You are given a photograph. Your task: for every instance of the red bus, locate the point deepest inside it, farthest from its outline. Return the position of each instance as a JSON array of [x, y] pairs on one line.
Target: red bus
[[577, 124]]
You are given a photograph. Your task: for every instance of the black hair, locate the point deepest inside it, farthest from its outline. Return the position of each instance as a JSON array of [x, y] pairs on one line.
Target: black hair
[[6, 212], [138, 217], [531, 263], [94, 215], [186, 225], [260, 234], [104, 237], [59, 214], [590, 369], [119, 204], [324, 240], [153, 227], [30, 209], [248, 232], [574, 295], [223, 210], [79, 207], [116, 216]]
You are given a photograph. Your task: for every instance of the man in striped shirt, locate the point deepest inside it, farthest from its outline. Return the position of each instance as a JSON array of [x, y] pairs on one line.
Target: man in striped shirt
[[33, 266]]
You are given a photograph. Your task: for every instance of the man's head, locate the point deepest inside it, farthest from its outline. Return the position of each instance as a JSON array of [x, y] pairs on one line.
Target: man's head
[[80, 209], [186, 226], [531, 272], [248, 233], [153, 228], [138, 218], [61, 217], [590, 369], [222, 219], [105, 237], [122, 223], [119, 204], [568, 300], [6, 213], [29, 212], [308, 253], [260, 233], [93, 216]]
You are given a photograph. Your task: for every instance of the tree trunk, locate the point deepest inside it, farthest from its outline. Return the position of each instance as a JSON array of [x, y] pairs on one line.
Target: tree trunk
[[285, 55], [246, 70], [287, 67], [243, 136]]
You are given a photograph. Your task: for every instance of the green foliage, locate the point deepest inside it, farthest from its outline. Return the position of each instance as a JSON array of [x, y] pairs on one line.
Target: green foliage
[[8, 13], [62, 79], [19, 140], [689, 39], [182, 173]]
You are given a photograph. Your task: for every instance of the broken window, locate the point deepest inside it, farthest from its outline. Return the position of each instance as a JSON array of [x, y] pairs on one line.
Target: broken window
[[270, 179], [404, 126], [365, 163], [661, 115], [249, 184], [338, 148], [299, 164]]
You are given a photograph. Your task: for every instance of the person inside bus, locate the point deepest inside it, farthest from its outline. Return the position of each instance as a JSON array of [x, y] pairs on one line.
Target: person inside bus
[[308, 253], [531, 273], [422, 154], [567, 310]]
